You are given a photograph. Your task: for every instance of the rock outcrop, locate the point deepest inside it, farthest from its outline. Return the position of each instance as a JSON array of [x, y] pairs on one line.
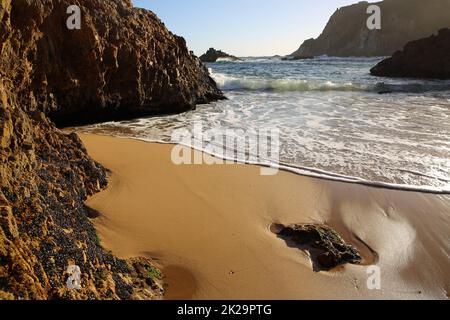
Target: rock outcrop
[[326, 247], [212, 55], [346, 34], [426, 58], [122, 63]]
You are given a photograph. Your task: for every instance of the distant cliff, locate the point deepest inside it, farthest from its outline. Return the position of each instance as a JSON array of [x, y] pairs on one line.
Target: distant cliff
[[212, 55], [424, 58], [122, 63], [346, 33]]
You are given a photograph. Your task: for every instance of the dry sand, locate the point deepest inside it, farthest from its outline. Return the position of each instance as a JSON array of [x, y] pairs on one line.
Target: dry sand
[[208, 226]]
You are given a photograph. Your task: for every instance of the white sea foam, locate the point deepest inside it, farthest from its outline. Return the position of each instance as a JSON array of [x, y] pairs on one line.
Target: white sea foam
[[229, 83], [228, 60]]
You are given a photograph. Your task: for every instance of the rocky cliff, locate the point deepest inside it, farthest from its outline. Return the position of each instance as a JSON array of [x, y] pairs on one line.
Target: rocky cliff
[[346, 33], [424, 58], [122, 63]]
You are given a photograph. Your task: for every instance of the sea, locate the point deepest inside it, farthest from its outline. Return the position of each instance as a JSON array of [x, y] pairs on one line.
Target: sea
[[334, 120]]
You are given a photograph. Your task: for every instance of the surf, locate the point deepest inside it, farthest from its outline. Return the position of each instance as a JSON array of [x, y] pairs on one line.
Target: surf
[[334, 122]]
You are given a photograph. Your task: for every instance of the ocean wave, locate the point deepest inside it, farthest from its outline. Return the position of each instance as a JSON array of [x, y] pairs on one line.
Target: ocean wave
[[233, 60], [230, 83]]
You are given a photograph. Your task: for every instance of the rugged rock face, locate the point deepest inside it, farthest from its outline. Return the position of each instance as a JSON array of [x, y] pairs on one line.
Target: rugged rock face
[[326, 247], [346, 34], [123, 62], [425, 58], [212, 55], [44, 227]]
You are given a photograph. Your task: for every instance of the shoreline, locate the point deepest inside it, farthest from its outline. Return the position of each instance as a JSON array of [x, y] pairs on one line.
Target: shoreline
[[156, 209], [298, 170]]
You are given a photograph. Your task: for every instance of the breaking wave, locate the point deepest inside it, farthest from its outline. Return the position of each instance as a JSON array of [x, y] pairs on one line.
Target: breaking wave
[[230, 83]]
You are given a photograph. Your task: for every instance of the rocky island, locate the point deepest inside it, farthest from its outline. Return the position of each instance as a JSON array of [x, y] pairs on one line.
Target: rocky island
[[425, 58], [346, 33], [212, 55], [122, 63]]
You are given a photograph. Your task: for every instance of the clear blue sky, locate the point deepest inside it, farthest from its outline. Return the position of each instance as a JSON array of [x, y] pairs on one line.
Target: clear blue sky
[[245, 27]]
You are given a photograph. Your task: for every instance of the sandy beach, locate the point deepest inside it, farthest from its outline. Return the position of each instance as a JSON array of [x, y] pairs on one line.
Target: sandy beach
[[209, 228]]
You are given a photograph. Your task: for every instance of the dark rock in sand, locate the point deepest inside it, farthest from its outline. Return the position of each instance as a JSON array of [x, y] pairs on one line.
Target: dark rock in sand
[[346, 33], [425, 58], [212, 55], [326, 247]]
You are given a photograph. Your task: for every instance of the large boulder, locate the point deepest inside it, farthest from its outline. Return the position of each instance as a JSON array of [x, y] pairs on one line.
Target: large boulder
[[425, 58], [122, 63]]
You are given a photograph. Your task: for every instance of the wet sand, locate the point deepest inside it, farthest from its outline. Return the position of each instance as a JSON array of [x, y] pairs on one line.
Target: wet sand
[[209, 228]]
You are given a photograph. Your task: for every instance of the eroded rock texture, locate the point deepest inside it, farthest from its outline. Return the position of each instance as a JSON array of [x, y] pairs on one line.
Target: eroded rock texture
[[424, 58], [122, 63]]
